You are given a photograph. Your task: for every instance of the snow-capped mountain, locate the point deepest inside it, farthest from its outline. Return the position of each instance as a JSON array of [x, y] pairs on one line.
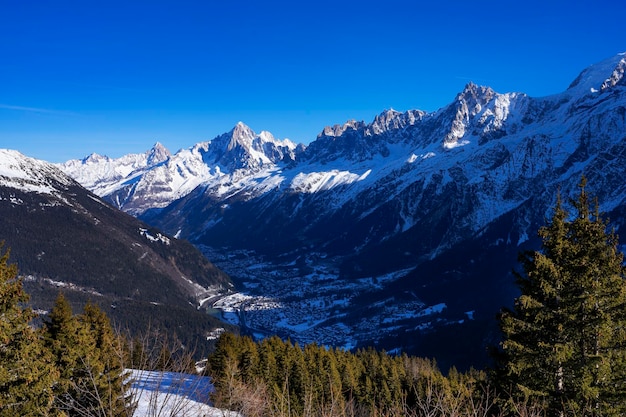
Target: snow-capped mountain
[[63, 237], [138, 182], [430, 209]]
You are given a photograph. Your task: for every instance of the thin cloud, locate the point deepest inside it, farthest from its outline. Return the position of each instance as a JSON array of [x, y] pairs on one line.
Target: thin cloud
[[35, 110]]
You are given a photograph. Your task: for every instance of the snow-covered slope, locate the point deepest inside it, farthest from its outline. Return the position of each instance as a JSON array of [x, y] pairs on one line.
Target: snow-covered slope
[[31, 175], [485, 154], [101, 173]]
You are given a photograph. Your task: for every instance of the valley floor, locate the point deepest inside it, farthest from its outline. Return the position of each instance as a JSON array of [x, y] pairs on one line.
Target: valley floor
[[307, 301]]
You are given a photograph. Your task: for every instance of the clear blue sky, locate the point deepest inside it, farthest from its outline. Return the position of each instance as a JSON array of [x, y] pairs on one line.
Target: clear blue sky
[[113, 77]]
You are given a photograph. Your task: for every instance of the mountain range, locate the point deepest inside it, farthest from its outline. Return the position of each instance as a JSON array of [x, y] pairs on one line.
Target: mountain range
[[400, 233]]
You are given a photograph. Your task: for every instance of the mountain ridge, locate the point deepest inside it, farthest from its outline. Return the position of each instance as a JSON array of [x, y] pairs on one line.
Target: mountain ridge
[[242, 152]]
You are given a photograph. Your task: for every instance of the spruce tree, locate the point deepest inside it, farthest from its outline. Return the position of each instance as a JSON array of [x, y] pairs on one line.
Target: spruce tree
[[565, 340], [27, 372]]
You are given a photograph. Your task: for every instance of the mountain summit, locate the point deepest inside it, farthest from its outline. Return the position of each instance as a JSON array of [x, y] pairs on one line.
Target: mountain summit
[[138, 182]]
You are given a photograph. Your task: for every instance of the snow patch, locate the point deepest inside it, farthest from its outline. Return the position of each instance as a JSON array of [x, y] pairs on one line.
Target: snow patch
[[158, 238], [173, 394]]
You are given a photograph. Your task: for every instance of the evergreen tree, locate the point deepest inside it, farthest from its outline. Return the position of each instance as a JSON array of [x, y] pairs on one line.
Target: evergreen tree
[[69, 345], [27, 372], [108, 389], [565, 339], [88, 355]]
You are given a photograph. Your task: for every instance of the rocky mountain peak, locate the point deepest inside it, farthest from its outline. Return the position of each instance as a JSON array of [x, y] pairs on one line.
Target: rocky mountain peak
[[240, 135], [391, 119], [158, 153], [474, 96], [338, 130], [94, 158]]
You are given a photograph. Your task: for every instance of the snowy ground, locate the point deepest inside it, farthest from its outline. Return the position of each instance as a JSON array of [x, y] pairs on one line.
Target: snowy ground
[[171, 394]]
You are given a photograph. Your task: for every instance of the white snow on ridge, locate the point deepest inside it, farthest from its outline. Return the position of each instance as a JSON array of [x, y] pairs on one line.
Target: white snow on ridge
[[158, 238], [599, 76], [29, 174], [253, 167], [322, 181]]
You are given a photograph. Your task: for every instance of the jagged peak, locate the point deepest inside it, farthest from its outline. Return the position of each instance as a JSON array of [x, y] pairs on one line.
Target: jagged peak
[[476, 93], [242, 130], [241, 135], [94, 158], [387, 115], [393, 119], [158, 153], [337, 130]]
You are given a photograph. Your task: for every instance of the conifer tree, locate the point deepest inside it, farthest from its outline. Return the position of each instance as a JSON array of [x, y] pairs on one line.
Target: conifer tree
[[108, 388], [27, 372], [69, 345], [565, 340], [88, 355]]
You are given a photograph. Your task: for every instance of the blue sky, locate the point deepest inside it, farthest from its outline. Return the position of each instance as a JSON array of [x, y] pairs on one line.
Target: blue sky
[[114, 77]]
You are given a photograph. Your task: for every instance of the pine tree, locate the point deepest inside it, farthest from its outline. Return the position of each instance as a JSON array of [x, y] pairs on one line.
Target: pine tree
[[27, 372], [565, 340]]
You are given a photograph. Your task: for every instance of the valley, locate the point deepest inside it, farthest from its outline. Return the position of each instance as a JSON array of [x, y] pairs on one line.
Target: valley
[[308, 301]]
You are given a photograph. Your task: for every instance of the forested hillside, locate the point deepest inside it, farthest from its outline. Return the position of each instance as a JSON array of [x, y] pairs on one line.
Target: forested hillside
[[64, 237]]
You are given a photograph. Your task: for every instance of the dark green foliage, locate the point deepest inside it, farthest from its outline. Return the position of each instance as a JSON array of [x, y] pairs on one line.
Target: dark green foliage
[[565, 340], [109, 378], [89, 356], [315, 380], [26, 368]]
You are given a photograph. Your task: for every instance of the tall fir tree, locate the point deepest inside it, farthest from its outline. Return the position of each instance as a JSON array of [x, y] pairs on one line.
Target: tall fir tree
[[564, 343], [27, 371]]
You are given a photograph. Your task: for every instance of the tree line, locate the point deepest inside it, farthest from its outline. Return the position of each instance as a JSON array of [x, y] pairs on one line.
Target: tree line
[[563, 351]]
